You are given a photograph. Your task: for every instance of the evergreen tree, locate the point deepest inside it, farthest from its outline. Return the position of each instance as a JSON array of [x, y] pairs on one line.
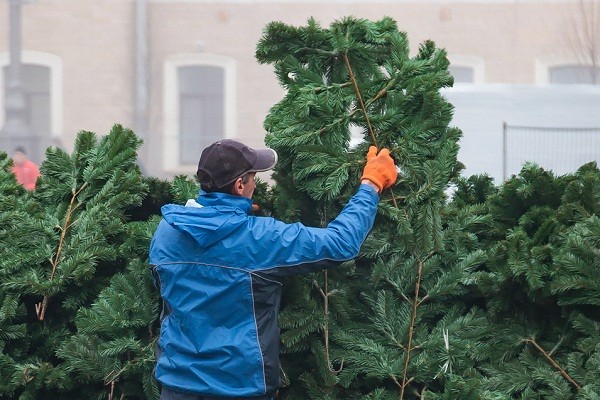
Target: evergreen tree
[[83, 238], [12, 326], [116, 335], [472, 299], [365, 330], [540, 335], [493, 294], [71, 265]]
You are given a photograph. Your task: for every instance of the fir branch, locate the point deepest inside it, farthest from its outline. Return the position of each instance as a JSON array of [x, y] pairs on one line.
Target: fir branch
[[325, 295], [383, 321], [552, 362], [320, 89], [359, 97], [364, 110], [113, 375], [415, 304], [41, 308]]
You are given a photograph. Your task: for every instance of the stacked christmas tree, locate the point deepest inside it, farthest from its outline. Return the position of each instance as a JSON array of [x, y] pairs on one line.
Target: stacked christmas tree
[[76, 311], [491, 294]]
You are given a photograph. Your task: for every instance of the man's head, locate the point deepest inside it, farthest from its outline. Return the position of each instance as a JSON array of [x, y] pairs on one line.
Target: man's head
[[19, 157], [229, 166]]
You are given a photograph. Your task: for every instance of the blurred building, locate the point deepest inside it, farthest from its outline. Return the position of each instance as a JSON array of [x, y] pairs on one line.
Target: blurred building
[[182, 73]]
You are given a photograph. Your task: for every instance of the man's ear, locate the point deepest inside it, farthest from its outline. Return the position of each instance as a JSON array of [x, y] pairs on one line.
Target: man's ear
[[238, 187]]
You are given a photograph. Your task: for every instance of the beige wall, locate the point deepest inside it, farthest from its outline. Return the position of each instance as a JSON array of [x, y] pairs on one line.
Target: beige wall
[[95, 41]]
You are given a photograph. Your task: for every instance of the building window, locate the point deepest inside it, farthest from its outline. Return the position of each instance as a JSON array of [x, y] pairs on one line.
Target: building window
[[199, 107], [35, 80], [41, 80], [462, 74], [466, 69], [575, 74]]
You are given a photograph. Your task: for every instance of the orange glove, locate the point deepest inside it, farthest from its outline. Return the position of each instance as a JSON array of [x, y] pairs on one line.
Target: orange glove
[[380, 168]]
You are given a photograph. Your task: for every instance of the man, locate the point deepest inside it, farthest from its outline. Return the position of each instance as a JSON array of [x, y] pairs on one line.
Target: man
[[217, 269], [25, 170]]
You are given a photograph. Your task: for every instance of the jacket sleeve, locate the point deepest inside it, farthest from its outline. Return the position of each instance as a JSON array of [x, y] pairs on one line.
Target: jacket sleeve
[[282, 249]]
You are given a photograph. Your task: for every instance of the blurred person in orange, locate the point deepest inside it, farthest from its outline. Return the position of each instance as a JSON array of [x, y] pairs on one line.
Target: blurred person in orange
[[25, 170]]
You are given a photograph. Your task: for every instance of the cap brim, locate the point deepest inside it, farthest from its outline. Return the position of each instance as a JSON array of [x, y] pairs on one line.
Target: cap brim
[[265, 160]]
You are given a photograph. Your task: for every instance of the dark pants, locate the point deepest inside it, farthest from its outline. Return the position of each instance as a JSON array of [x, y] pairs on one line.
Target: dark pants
[[168, 394]]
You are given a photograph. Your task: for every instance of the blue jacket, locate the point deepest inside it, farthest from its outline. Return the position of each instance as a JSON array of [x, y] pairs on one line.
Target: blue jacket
[[217, 268]]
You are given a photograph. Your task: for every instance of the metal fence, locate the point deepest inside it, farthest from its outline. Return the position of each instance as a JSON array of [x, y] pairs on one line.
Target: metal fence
[[561, 150]]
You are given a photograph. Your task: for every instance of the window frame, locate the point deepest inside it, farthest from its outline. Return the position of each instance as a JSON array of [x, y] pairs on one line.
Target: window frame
[[171, 133], [475, 63], [577, 66], [544, 65], [55, 66]]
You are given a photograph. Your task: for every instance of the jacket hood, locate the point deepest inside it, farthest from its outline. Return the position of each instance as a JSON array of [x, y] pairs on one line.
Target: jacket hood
[[215, 216]]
